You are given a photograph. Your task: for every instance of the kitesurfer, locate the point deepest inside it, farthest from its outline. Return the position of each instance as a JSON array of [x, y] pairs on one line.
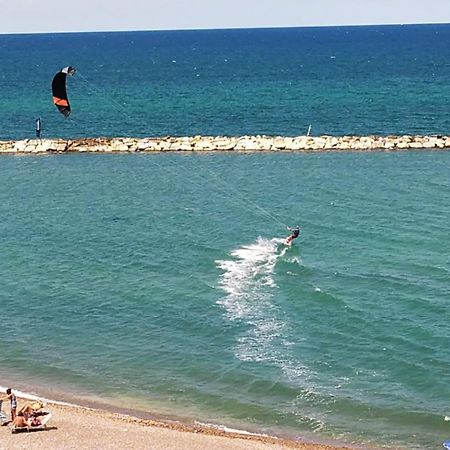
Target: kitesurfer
[[294, 235]]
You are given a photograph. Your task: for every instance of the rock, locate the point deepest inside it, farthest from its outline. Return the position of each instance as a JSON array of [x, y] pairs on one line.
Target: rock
[[224, 143], [430, 143], [403, 144], [289, 144], [147, 145], [246, 144], [20, 146], [117, 146], [164, 146], [278, 143], [181, 146]]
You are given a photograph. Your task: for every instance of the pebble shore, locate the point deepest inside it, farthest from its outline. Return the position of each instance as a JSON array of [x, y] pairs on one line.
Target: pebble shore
[[228, 144], [73, 427]]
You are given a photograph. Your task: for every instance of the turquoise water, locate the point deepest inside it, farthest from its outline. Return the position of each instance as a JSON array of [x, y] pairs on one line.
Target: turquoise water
[[158, 282], [341, 80]]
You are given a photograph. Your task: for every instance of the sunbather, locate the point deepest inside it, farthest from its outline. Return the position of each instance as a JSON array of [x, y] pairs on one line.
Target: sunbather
[[30, 408], [20, 421], [36, 421]]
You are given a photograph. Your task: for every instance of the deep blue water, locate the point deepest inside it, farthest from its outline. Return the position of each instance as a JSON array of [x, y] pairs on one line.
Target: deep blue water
[[159, 282], [341, 80]]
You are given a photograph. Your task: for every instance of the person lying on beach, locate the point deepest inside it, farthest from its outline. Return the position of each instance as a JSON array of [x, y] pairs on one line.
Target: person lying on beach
[[13, 400], [294, 235], [20, 421], [30, 417], [30, 409]]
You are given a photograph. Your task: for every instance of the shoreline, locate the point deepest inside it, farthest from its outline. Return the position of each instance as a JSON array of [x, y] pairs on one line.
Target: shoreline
[[259, 143], [188, 433], [78, 426], [87, 412]]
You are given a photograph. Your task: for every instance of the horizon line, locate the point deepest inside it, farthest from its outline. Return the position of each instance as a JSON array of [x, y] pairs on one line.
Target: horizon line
[[349, 25]]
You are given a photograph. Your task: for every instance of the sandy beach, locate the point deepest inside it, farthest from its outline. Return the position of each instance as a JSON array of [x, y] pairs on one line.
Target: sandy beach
[[77, 427]]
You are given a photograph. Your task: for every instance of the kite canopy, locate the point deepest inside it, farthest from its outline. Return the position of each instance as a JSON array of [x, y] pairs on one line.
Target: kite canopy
[[59, 90]]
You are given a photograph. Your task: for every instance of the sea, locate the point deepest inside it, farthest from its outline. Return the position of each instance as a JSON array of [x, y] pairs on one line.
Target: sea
[[159, 283]]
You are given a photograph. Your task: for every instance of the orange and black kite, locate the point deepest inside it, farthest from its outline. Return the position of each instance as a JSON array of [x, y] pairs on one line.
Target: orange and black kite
[[59, 90]]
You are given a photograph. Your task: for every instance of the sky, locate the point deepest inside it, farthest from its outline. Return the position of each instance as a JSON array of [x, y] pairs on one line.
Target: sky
[[37, 16]]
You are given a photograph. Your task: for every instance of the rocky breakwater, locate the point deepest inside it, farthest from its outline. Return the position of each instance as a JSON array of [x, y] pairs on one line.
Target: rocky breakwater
[[222, 143]]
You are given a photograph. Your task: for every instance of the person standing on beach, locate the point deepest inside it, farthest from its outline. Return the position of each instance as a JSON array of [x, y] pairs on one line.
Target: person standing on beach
[[13, 400]]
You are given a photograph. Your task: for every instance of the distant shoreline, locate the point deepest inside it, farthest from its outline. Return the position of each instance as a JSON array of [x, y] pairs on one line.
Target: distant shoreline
[[259, 143]]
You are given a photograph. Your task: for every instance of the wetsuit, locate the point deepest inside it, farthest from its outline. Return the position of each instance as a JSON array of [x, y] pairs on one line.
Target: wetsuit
[[294, 235]]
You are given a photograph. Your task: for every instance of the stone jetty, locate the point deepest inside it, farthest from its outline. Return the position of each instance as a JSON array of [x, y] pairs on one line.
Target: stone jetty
[[226, 144]]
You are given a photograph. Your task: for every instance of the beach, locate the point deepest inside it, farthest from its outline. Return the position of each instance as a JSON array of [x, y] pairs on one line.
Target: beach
[[74, 427], [154, 281], [230, 329]]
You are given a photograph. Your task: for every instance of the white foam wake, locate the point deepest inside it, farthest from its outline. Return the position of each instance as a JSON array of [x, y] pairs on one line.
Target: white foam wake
[[248, 280]]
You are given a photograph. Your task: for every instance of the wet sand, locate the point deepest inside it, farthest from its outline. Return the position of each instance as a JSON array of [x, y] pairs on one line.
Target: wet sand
[[83, 428]]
